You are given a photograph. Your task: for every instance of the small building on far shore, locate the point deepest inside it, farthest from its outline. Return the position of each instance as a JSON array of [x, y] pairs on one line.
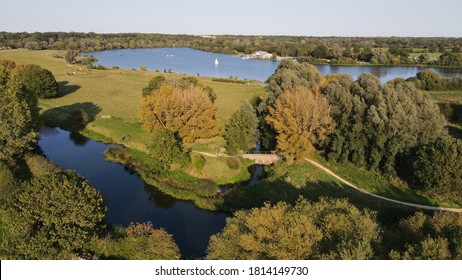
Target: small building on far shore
[[261, 55]]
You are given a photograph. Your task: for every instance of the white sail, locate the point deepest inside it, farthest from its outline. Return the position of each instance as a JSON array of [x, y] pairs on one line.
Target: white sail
[[216, 61]]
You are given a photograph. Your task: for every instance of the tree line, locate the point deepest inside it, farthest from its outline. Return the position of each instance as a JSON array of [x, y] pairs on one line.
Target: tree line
[[336, 50], [393, 128]]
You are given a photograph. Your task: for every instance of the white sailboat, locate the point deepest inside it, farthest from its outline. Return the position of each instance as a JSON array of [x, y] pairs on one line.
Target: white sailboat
[[216, 61]]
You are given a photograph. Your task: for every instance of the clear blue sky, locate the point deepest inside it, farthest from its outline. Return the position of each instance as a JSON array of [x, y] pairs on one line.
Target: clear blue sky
[[287, 17]]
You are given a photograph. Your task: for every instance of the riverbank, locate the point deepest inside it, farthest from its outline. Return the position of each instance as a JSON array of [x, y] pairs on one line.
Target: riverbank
[[101, 92]]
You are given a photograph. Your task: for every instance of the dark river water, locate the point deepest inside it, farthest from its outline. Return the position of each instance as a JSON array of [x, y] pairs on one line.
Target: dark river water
[[127, 197], [193, 62]]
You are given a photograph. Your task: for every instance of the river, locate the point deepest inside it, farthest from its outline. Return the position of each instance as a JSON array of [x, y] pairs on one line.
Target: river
[[194, 62], [127, 197]]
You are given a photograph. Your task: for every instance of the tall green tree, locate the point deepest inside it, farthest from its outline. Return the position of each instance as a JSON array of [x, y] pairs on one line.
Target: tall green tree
[[435, 168], [54, 217], [328, 229], [241, 132], [375, 123], [166, 148], [18, 120]]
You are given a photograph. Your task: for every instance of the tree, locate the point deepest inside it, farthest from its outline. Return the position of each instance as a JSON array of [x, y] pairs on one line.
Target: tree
[[289, 75], [37, 80], [375, 123], [141, 242], [71, 55], [424, 237], [328, 229], [429, 80], [166, 148], [18, 120], [435, 168], [54, 217], [321, 51], [300, 118], [154, 84], [241, 131], [188, 112]]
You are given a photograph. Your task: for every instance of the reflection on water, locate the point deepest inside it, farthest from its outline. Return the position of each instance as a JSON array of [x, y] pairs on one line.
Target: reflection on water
[[128, 198], [78, 139], [386, 73]]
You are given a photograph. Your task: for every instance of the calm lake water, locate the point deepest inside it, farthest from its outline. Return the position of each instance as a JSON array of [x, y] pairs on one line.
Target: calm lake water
[[127, 197], [193, 62]]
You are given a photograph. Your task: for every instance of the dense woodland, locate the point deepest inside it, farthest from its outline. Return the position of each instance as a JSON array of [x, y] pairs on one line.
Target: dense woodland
[[335, 50], [394, 129]]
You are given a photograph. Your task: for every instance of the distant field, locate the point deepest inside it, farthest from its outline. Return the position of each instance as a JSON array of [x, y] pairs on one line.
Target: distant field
[[117, 93]]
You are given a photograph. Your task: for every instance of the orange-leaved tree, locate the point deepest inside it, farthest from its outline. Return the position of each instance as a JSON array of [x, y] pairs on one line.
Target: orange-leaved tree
[[188, 111], [300, 117]]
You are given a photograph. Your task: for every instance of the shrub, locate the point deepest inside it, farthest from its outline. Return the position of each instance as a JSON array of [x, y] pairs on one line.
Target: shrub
[[198, 162], [233, 163], [37, 80]]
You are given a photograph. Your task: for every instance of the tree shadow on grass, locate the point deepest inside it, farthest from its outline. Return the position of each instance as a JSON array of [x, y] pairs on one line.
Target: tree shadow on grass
[[280, 190], [65, 88], [455, 131], [60, 116]]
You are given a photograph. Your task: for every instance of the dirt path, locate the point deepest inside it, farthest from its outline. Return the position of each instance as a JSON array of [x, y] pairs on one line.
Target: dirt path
[[419, 206]]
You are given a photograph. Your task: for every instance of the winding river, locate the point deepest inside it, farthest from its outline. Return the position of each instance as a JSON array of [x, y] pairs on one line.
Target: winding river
[[127, 197]]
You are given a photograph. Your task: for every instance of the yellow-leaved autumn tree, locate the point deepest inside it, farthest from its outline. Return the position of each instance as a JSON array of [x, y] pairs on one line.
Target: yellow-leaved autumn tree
[[300, 117], [189, 112]]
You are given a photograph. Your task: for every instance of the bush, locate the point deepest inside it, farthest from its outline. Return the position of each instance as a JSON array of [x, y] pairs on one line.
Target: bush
[[8, 64], [140, 242], [233, 163], [37, 80], [198, 162], [143, 68]]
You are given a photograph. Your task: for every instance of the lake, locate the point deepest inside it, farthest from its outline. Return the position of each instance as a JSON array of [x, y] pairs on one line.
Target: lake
[[193, 62], [127, 197]]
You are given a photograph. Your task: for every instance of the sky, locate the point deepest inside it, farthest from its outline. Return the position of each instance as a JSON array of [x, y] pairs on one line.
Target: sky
[[413, 18]]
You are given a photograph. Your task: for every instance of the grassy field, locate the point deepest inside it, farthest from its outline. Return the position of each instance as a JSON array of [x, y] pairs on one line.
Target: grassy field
[[117, 93]]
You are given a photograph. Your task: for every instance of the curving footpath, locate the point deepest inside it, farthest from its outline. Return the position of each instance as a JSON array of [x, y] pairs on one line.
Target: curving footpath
[[419, 206]]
